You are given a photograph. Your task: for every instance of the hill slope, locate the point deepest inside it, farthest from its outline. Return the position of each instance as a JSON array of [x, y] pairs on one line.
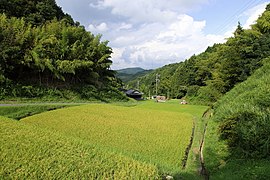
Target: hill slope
[[148, 81], [129, 74], [244, 113], [239, 131], [130, 70]]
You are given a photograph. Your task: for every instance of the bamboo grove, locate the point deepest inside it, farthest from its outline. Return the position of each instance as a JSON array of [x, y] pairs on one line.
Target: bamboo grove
[[49, 51]]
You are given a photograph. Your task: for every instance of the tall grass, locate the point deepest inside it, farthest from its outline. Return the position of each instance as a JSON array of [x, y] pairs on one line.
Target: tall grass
[[244, 114], [238, 134]]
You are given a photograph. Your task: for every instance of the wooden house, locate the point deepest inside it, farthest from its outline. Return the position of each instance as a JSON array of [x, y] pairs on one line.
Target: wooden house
[[135, 94]]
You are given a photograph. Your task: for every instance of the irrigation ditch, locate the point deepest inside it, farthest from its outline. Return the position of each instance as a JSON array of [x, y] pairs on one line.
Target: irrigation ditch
[[200, 135], [203, 170], [185, 158]]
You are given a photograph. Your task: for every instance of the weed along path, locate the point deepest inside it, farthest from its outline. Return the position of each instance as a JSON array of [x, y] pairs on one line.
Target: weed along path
[[147, 141]]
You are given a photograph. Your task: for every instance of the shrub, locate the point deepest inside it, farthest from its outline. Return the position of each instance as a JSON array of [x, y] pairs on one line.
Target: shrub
[[244, 115], [193, 90], [81, 92]]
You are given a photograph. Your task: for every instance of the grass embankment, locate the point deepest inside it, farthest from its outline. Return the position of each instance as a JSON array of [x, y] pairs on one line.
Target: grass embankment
[[221, 164], [237, 142], [152, 137], [24, 110]]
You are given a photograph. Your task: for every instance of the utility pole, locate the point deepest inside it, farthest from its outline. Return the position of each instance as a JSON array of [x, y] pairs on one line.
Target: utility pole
[[157, 81], [138, 85]]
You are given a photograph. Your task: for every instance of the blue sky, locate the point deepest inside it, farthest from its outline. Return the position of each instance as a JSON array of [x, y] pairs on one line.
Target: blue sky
[[153, 33]]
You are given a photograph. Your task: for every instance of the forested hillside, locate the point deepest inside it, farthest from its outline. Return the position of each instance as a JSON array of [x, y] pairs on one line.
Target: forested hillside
[[147, 83], [129, 74], [44, 53], [36, 12], [206, 77]]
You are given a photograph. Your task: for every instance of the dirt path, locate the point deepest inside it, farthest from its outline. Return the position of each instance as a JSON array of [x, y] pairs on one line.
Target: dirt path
[[203, 170]]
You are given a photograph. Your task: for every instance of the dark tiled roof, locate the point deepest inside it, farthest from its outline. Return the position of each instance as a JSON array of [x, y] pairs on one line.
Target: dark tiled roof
[[133, 92]]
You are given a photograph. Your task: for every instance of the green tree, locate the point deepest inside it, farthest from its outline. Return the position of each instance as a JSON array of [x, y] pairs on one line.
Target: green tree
[[36, 12]]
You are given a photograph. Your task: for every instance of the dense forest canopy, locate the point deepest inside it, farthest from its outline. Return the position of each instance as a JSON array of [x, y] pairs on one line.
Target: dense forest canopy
[[42, 47], [36, 12], [207, 76]]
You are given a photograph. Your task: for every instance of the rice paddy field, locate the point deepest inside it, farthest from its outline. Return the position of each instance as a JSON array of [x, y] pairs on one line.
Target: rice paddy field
[[98, 141]]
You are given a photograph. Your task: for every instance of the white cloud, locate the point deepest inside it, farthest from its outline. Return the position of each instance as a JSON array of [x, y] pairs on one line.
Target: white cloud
[[98, 5], [124, 26], [154, 45], [152, 33], [253, 14], [98, 28], [148, 11], [124, 40], [184, 26], [117, 53], [155, 32]]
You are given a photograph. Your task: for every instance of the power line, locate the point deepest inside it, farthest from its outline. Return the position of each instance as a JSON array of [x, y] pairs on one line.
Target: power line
[[231, 19]]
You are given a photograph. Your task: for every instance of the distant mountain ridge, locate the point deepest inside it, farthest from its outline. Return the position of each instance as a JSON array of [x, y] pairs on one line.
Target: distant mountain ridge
[[129, 74], [130, 70]]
